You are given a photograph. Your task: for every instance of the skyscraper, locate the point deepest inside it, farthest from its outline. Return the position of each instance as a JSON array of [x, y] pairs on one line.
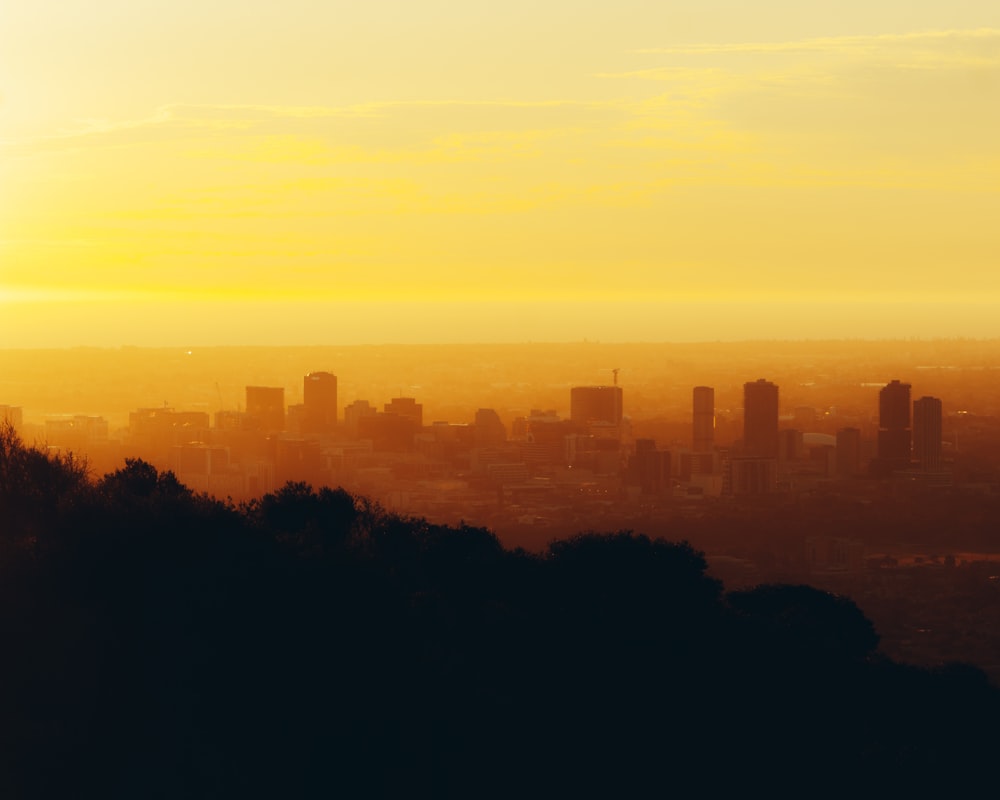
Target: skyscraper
[[703, 419], [265, 408], [406, 407], [319, 394], [927, 433], [488, 430], [760, 419], [595, 404], [894, 425], [848, 452]]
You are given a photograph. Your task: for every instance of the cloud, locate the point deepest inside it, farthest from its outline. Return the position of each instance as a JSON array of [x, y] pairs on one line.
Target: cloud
[[381, 131], [832, 44]]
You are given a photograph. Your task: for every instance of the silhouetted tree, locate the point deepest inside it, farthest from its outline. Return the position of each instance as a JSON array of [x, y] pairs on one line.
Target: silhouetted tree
[[829, 624], [34, 484], [163, 644], [137, 479]]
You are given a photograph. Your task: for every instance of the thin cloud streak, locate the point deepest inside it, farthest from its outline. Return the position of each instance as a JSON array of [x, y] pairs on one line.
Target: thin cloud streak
[[833, 44], [226, 116]]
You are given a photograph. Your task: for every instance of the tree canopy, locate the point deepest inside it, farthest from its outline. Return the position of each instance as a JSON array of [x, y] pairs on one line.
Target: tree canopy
[[159, 643]]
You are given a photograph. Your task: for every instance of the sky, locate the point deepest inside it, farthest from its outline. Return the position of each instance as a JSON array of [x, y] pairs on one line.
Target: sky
[[327, 172]]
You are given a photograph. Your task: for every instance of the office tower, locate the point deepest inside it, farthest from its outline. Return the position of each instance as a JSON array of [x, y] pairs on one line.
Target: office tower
[[160, 428], [894, 425], [265, 408], [760, 419], [703, 419], [791, 445], [356, 410], [595, 404], [649, 468], [848, 452], [406, 407], [752, 475], [927, 433], [319, 396], [488, 430]]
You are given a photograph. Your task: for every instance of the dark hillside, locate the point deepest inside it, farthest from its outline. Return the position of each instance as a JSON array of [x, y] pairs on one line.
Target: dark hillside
[[161, 644]]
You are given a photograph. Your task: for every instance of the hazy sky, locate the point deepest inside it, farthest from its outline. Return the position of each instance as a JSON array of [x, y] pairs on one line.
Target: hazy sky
[[324, 171]]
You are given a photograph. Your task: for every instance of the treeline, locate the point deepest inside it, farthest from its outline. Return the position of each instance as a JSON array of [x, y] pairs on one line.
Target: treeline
[[161, 644]]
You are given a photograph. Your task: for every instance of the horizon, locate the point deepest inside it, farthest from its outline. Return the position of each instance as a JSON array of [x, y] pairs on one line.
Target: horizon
[[29, 325], [453, 379], [853, 341], [470, 398]]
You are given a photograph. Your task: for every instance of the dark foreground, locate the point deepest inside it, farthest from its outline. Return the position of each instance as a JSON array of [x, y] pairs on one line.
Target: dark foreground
[[158, 644]]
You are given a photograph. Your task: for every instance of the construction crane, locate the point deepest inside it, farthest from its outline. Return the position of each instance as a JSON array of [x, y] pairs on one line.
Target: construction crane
[[614, 372]]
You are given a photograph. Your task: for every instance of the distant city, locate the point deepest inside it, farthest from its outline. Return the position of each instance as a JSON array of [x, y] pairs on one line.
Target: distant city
[[870, 469], [540, 468]]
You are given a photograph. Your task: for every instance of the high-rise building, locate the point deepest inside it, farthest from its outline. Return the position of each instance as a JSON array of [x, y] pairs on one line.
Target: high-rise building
[[894, 425], [488, 429], [595, 404], [356, 410], [791, 445], [894, 406], [319, 396], [848, 452], [265, 408], [406, 407], [760, 419], [927, 433], [649, 467], [752, 475], [703, 419]]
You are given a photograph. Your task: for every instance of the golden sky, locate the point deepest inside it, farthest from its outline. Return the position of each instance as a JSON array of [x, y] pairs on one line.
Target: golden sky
[[318, 171]]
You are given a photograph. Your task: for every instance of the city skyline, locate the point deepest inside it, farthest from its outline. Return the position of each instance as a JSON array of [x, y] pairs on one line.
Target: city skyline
[[423, 397], [773, 452], [431, 172]]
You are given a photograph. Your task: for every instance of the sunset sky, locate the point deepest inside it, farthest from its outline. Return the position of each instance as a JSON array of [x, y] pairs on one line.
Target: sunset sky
[[319, 171]]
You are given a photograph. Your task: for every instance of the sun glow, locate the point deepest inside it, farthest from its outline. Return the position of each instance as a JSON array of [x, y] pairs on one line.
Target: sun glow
[[700, 157]]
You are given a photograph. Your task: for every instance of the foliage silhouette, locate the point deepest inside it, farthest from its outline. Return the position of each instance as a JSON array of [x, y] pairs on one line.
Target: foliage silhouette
[[832, 626], [159, 643]]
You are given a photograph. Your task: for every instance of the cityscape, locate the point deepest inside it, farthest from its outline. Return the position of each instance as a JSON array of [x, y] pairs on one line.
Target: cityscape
[[244, 454], [499, 400], [819, 486], [536, 464]]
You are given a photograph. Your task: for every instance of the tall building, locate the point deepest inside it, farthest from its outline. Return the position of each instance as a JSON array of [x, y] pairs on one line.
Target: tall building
[[488, 429], [595, 404], [356, 410], [406, 407], [760, 419], [649, 468], [752, 475], [848, 452], [319, 396], [703, 419], [265, 408], [927, 433], [894, 425]]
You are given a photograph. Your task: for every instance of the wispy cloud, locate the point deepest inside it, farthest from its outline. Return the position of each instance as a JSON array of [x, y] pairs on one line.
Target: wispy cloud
[[229, 115], [830, 44]]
